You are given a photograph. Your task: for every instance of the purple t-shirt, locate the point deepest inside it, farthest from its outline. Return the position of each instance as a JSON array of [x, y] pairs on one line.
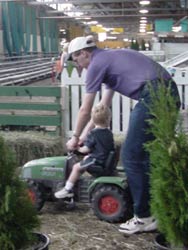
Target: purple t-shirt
[[123, 70]]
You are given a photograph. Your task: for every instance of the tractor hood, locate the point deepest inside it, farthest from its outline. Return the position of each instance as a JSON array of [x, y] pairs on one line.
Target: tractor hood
[[48, 161], [44, 168]]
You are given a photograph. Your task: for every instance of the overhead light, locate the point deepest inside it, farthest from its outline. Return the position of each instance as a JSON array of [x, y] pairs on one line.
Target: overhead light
[[143, 21], [108, 29], [143, 18], [142, 30], [65, 7], [83, 18], [176, 28], [101, 37], [142, 24], [144, 2], [92, 23], [143, 11], [114, 33], [111, 37]]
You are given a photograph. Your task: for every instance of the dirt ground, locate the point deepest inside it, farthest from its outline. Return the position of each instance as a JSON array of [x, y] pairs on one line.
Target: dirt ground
[[80, 229]]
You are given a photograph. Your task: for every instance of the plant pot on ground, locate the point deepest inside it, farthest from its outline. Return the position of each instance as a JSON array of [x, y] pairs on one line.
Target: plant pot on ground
[[18, 218], [161, 243], [41, 242], [169, 172]]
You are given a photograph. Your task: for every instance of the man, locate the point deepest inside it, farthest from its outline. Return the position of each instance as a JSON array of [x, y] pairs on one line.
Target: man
[[130, 73]]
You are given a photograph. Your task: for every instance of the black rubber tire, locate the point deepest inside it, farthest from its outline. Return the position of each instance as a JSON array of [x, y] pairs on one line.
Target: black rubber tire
[[111, 204], [35, 194]]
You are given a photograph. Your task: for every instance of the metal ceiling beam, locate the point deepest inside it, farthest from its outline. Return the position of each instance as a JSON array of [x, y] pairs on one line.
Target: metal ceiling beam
[[110, 16], [179, 21], [12, 1], [112, 10], [92, 1]]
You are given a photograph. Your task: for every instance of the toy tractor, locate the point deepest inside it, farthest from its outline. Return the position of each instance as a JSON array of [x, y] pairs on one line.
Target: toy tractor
[[109, 195]]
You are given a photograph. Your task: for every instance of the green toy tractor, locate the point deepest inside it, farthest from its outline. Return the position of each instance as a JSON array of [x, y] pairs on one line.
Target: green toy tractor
[[109, 195]]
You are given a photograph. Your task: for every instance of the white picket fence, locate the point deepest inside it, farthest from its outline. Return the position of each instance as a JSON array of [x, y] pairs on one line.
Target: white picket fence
[[121, 106]]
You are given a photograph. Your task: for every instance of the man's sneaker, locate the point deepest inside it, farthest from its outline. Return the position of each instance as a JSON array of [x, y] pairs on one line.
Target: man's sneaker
[[136, 225], [64, 193]]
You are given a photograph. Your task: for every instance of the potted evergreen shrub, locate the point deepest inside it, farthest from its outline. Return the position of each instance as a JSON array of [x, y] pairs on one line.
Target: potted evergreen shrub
[[18, 218], [169, 172]]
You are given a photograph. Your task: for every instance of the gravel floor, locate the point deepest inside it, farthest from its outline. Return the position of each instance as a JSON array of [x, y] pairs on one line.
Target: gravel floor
[[79, 229]]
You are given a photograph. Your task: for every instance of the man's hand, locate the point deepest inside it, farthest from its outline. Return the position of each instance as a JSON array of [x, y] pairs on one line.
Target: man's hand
[[72, 144]]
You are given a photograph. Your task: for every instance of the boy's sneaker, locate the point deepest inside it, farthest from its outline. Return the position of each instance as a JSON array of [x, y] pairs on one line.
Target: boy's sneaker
[[64, 193], [136, 225]]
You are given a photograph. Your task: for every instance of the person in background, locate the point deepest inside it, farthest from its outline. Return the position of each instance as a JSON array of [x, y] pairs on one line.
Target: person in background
[[61, 62], [98, 145], [64, 56], [130, 73]]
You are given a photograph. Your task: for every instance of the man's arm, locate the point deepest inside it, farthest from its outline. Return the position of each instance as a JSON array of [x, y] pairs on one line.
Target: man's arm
[[107, 97], [84, 113], [107, 100], [82, 119]]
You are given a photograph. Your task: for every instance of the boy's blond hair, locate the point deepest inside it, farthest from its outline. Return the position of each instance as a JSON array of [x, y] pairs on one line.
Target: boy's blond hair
[[101, 115]]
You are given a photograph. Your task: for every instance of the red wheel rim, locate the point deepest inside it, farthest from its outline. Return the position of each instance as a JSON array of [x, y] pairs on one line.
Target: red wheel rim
[[32, 196], [108, 205]]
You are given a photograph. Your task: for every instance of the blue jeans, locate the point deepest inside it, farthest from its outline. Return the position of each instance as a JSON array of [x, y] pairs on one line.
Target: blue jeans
[[134, 157]]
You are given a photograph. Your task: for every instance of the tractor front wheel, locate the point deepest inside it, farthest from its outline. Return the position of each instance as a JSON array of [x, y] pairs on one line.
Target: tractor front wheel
[[110, 203], [35, 194]]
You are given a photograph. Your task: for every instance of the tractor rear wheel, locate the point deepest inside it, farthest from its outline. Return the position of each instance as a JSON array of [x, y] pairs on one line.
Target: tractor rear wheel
[[35, 194], [111, 204]]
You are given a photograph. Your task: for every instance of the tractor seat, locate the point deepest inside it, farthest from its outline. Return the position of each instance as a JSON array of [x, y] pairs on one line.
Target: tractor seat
[[109, 167], [111, 163]]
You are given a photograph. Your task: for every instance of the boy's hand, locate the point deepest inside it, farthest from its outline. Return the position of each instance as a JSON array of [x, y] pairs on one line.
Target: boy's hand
[[80, 142], [83, 150]]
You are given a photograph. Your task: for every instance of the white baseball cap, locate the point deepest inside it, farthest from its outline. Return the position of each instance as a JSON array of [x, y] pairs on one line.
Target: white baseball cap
[[79, 43]]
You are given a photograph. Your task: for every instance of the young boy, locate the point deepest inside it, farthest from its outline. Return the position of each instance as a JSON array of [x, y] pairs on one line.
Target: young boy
[[98, 145]]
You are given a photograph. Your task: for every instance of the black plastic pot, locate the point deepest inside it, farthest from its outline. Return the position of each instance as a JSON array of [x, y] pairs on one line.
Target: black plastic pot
[[43, 241], [161, 243]]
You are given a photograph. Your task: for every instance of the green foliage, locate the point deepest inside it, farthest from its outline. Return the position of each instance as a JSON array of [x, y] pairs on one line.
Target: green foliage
[[18, 217], [150, 46], [134, 44], [169, 174], [69, 68], [143, 46]]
